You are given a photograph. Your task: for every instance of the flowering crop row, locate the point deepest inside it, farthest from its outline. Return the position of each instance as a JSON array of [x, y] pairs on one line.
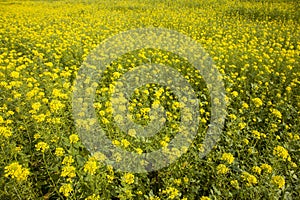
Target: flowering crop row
[[255, 46]]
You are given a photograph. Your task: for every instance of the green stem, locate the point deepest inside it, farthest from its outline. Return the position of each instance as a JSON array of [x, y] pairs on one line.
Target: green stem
[[55, 187]]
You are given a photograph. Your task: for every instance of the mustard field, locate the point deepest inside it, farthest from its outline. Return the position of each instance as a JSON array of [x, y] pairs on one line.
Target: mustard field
[[50, 148]]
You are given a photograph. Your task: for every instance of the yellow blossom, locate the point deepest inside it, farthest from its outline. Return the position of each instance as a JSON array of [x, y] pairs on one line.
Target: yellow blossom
[[128, 178], [59, 151], [204, 198], [90, 166], [5, 131], [16, 171], [278, 181], [222, 169], [256, 169], [266, 168], [125, 143], [235, 184], [67, 160], [249, 179], [228, 157], [257, 102], [73, 138], [93, 197], [42, 146], [281, 152], [68, 171], [66, 189]]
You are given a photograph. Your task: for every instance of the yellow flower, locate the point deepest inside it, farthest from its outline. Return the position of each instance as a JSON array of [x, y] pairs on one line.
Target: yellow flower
[[99, 156], [256, 134], [139, 151], [266, 168], [91, 166], [222, 169], [93, 197], [242, 125], [228, 157], [59, 151], [42, 146], [5, 131], [73, 138], [250, 179], [66, 189], [125, 143], [116, 142], [128, 178], [132, 132], [68, 171], [16, 171], [246, 141], [204, 198], [245, 105], [172, 192], [15, 74], [37, 136], [235, 184], [235, 93], [56, 105], [68, 160], [279, 181], [281, 152], [256, 169], [163, 143], [257, 102], [277, 113]]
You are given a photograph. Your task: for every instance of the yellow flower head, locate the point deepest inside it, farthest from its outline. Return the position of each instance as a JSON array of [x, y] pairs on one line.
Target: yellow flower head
[[277, 113], [222, 169], [5, 131], [93, 197], [16, 171], [228, 157], [256, 169], [267, 168], [68, 171], [68, 160], [281, 152], [204, 198], [59, 151], [257, 102], [172, 192], [128, 178], [278, 181], [66, 189], [235, 184], [91, 166], [42, 146], [73, 138], [249, 179]]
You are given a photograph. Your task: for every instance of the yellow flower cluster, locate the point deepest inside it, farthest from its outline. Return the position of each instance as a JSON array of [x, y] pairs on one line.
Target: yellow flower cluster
[[16, 171], [73, 138], [249, 179], [5, 131], [42, 146], [222, 169], [128, 178], [228, 157], [281, 152], [171, 192], [66, 189], [91, 166], [278, 181]]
